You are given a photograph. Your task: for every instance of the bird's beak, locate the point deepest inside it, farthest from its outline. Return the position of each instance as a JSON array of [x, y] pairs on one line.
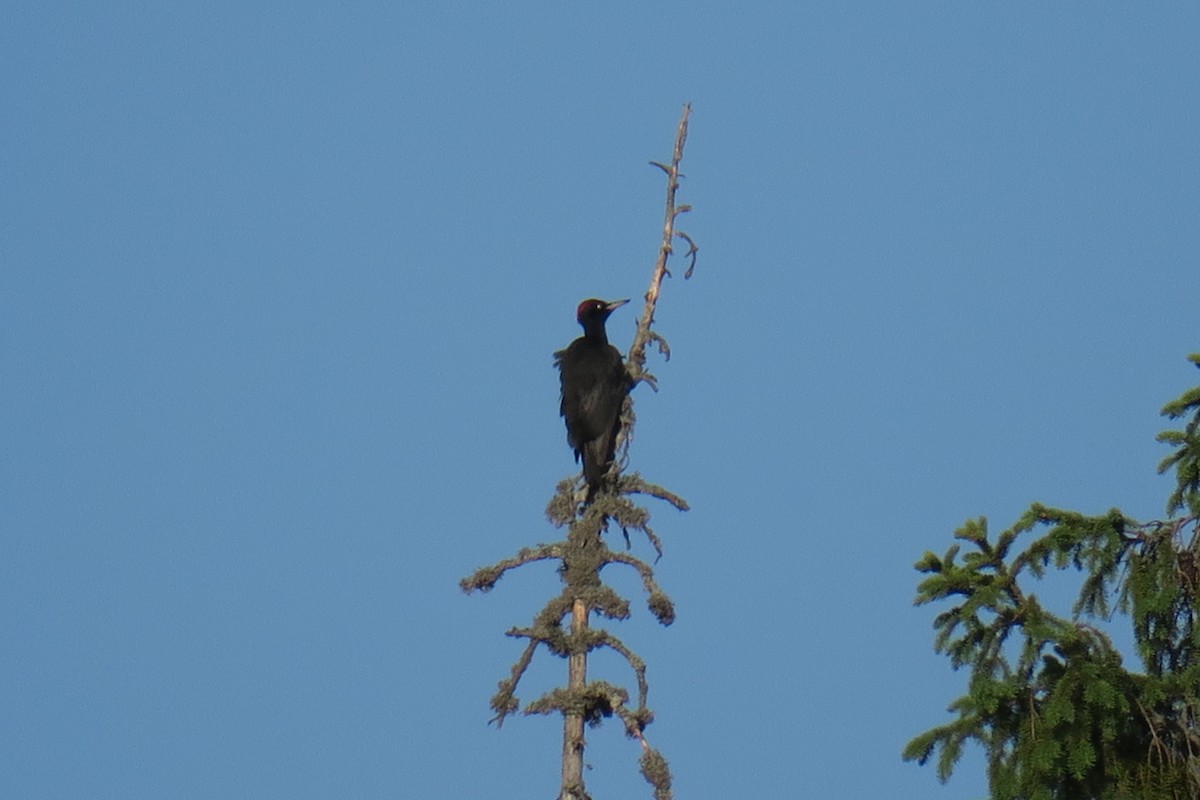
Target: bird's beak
[[615, 304]]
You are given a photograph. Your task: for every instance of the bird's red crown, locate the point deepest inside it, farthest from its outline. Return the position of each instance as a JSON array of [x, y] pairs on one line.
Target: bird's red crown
[[590, 306]]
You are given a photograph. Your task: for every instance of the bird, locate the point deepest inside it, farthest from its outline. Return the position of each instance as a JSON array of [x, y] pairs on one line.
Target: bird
[[594, 384]]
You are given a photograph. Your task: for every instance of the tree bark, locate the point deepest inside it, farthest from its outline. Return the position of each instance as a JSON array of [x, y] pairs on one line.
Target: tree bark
[[572, 755]]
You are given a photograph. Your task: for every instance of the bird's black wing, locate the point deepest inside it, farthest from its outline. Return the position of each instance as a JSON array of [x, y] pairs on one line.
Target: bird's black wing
[[593, 383]]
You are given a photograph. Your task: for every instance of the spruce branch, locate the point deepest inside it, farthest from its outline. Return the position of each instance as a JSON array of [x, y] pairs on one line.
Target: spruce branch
[[1058, 713]]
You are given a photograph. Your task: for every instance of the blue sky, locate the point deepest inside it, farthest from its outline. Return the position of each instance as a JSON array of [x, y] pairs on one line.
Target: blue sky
[[279, 287]]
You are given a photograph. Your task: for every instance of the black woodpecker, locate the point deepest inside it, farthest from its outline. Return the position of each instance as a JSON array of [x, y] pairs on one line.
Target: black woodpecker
[[594, 385]]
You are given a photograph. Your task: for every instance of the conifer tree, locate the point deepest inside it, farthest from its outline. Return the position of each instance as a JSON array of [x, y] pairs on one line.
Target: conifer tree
[[1058, 712], [563, 626]]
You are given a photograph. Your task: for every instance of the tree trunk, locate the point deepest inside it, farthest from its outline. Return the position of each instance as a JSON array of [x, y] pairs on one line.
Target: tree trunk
[[572, 753]]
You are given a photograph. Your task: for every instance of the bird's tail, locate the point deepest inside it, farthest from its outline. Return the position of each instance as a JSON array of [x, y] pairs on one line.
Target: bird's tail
[[597, 456]]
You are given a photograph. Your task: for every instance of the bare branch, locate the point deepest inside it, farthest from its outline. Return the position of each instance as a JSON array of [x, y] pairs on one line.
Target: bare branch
[[637, 351], [485, 579], [633, 659], [659, 603], [692, 250], [505, 701], [635, 484]]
